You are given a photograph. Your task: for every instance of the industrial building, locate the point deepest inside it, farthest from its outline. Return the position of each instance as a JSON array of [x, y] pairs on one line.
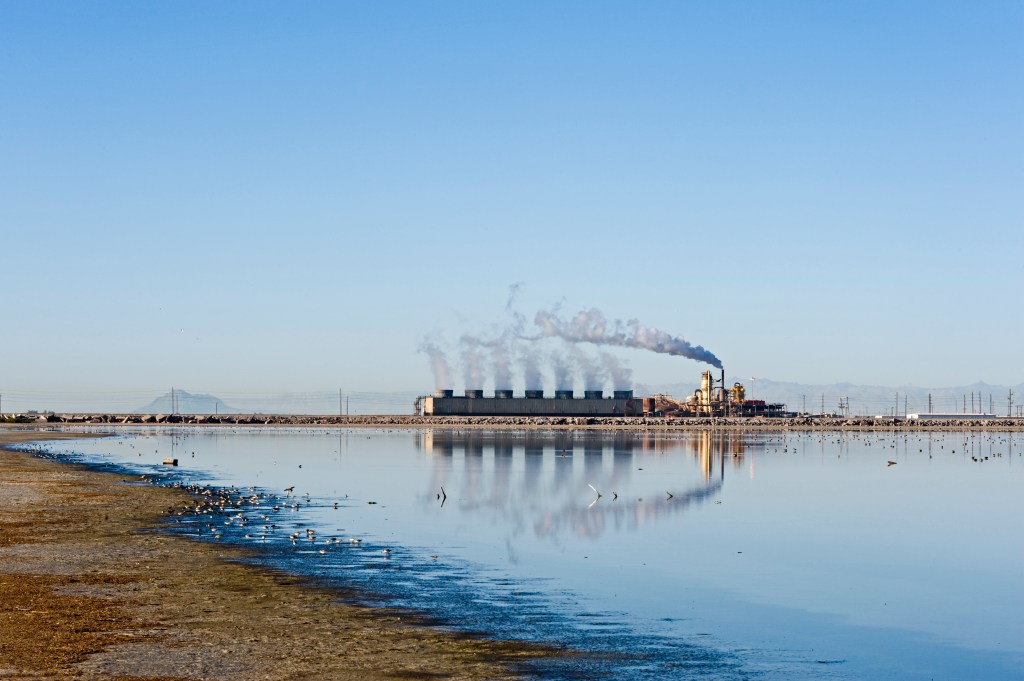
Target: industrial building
[[711, 399], [593, 403]]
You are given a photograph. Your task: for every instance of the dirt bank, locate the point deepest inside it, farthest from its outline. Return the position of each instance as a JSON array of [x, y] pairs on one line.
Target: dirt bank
[[539, 422], [88, 590]]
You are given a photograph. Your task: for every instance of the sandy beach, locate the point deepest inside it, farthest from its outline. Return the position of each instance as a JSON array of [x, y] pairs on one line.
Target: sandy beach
[[89, 589]]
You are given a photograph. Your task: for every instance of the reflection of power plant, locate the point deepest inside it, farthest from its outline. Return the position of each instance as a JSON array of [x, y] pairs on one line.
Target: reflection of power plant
[[711, 399], [515, 473]]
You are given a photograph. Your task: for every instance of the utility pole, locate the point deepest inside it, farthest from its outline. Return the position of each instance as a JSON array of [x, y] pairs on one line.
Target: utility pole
[[929, 403], [823, 404], [1009, 403], [347, 412], [174, 407], [896, 409], [805, 403], [341, 412]]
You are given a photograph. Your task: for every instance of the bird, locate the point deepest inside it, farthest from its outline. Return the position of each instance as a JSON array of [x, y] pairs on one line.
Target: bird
[[892, 463], [290, 489], [595, 490]]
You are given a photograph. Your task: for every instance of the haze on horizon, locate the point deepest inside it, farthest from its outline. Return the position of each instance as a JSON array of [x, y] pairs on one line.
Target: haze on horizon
[[254, 198]]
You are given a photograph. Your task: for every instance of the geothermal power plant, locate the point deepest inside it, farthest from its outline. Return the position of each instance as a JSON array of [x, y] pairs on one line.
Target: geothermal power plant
[[713, 398]]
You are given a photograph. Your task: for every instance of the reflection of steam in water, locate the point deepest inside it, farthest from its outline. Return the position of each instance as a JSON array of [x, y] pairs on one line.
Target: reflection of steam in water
[[541, 478]]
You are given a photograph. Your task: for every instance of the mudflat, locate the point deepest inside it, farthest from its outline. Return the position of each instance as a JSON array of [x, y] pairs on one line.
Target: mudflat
[[90, 590]]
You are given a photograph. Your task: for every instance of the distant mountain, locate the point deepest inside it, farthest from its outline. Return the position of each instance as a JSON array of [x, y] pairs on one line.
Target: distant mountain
[[187, 403], [868, 399]]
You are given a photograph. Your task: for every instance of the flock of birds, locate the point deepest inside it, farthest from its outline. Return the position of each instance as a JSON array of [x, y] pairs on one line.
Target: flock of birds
[[972, 445], [215, 510]]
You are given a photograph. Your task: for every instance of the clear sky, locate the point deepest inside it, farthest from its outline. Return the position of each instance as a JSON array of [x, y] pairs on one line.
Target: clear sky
[[271, 196]]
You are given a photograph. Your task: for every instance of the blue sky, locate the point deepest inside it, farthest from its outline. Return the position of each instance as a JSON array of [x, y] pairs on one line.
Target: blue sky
[[291, 196]]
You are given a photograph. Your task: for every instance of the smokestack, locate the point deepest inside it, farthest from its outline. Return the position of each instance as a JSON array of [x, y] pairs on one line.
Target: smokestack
[[443, 393], [563, 394], [502, 394], [474, 394], [623, 394], [593, 394], [534, 394]]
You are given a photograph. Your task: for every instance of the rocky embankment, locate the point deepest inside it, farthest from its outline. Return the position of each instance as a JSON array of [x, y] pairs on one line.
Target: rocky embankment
[[528, 422]]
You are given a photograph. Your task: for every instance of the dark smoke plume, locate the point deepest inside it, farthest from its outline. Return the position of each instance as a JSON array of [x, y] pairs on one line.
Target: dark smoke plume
[[590, 326]]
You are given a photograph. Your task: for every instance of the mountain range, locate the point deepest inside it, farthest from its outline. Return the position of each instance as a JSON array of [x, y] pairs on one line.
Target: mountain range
[[187, 403]]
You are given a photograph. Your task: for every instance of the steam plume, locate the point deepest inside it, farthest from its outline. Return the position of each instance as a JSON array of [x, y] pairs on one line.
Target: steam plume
[[472, 363], [502, 371], [590, 370], [622, 376], [590, 326], [438, 363], [531, 370], [562, 369]]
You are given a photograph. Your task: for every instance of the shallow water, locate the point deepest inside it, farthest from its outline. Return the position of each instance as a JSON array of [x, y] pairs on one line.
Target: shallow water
[[676, 555]]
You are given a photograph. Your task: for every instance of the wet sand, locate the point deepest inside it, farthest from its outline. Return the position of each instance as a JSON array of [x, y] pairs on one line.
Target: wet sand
[[90, 590]]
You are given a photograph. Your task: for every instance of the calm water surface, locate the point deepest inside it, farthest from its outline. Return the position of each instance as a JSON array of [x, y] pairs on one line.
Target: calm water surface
[[683, 555]]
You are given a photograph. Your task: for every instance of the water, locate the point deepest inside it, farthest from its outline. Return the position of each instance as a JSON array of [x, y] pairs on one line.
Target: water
[[716, 555]]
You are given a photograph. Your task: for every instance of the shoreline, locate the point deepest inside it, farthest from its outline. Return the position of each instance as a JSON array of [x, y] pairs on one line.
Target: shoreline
[[633, 423], [91, 588]]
